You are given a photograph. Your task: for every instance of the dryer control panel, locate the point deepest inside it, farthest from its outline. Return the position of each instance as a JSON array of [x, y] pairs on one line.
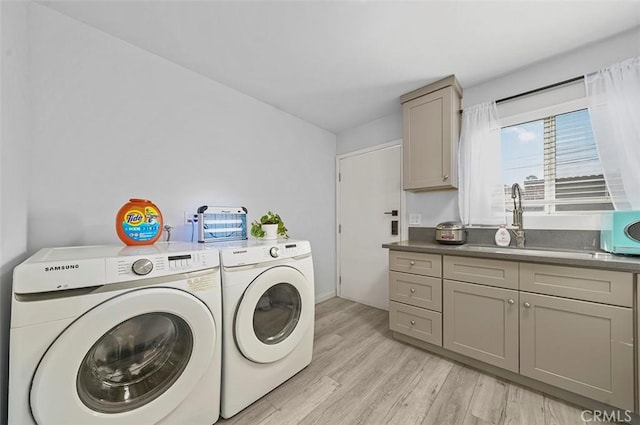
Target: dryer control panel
[[262, 252]]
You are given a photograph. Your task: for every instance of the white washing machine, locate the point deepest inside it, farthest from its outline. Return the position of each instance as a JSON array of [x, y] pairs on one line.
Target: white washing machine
[[116, 335], [268, 304]]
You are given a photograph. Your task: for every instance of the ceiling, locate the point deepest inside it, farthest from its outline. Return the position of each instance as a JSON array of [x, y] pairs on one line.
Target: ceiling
[[338, 64]]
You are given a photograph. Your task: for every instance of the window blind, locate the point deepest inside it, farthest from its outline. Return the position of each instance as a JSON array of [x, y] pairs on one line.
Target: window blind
[[555, 161]]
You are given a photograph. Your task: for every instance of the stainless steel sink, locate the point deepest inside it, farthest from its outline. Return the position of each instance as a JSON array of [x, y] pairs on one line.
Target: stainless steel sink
[[538, 252]]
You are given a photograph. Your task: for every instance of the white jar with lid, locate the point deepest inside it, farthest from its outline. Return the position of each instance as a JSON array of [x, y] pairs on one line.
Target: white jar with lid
[[503, 237]]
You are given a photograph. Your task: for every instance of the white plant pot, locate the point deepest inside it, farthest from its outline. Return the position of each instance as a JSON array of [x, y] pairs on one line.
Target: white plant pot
[[270, 231]]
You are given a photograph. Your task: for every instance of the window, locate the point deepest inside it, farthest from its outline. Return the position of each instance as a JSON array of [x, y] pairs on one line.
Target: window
[[555, 161]]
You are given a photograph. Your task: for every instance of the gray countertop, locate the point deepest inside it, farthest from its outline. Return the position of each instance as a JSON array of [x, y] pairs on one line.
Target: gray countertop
[[592, 259]]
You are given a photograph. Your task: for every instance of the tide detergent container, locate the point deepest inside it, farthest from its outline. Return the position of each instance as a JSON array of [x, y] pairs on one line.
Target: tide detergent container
[[139, 222]]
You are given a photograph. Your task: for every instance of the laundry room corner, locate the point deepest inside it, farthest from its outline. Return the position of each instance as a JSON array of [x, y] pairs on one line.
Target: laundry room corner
[[14, 144]]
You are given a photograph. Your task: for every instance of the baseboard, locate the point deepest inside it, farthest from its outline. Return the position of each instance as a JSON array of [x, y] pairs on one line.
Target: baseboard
[[324, 297]]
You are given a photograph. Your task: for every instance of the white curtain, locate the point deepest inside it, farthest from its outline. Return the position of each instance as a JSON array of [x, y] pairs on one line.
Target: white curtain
[[481, 191], [613, 96]]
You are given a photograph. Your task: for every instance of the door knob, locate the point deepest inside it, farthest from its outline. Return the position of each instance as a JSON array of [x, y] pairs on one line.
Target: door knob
[[445, 178], [413, 322], [413, 290], [413, 263], [510, 301], [394, 213], [526, 305]]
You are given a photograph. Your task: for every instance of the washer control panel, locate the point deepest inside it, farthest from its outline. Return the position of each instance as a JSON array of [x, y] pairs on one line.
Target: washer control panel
[[65, 268], [122, 269], [178, 262]]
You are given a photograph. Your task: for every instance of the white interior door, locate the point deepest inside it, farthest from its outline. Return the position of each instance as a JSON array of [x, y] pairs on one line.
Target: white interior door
[[369, 190]]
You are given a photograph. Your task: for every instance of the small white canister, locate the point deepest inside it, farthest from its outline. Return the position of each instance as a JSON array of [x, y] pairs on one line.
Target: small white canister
[[503, 237]]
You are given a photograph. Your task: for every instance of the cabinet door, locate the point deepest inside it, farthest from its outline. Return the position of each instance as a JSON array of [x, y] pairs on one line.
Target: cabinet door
[[481, 322], [583, 347], [430, 140], [637, 344]]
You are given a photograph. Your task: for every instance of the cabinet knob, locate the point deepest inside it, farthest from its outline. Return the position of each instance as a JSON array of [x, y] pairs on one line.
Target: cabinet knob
[[445, 177], [413, 290], [510, 301], [413, 263], [526, 305], [413, 322]]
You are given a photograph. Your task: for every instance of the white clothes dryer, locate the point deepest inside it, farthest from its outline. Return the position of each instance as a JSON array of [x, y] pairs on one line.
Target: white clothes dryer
[[108, 335], [268, 324]]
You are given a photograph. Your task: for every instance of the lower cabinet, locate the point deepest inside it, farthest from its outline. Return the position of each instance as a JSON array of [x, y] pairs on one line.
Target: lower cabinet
[[559, 325], [580, 346], [481, 322]]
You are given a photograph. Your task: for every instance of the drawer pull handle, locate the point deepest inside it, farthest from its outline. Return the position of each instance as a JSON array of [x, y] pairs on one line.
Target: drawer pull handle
[[526, 305], [413, 322], [510, 301], [413, 263], [413, 290]]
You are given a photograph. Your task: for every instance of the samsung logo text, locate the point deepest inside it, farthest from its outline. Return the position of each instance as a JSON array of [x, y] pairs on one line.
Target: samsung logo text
[[60, 268]]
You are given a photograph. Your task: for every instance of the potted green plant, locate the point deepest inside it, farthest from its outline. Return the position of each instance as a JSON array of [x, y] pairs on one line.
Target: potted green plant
[[269, 226]]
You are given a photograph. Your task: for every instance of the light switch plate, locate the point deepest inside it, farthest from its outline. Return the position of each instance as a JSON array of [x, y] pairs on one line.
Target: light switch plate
[[415, 219]]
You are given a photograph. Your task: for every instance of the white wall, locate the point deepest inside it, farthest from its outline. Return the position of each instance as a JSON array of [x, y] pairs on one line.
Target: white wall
[[112, 121], [572, 64], [382, 130], [443, 205], [14, 142]]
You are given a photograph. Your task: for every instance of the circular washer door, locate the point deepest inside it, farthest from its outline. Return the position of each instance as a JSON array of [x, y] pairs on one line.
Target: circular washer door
[[130, 360], [274, 314]]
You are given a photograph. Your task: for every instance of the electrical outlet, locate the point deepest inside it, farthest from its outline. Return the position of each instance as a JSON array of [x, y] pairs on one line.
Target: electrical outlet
[[415, 219], [190, 217]]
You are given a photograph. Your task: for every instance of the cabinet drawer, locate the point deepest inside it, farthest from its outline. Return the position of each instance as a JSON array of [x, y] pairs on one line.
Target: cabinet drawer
[[580, 346], [425, 325], [583, 284], [482, 322], [503, 274], [416, 290], [415, 262]]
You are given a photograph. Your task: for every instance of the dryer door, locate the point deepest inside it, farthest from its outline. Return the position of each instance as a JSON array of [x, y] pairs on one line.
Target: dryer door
[[130, 360], [274, 314]]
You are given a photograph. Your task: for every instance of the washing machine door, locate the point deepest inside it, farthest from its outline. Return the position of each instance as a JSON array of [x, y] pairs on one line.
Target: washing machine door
[[274, 314], [130, 360]]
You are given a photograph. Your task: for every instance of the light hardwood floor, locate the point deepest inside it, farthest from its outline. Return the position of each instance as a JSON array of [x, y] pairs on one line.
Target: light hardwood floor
[[361, 375]]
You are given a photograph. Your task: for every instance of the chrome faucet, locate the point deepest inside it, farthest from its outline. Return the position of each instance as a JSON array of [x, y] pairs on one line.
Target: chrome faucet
[[517, 214]]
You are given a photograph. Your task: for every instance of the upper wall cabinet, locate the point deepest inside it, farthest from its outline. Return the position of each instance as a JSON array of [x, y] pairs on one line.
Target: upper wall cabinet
[[431, 127]]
